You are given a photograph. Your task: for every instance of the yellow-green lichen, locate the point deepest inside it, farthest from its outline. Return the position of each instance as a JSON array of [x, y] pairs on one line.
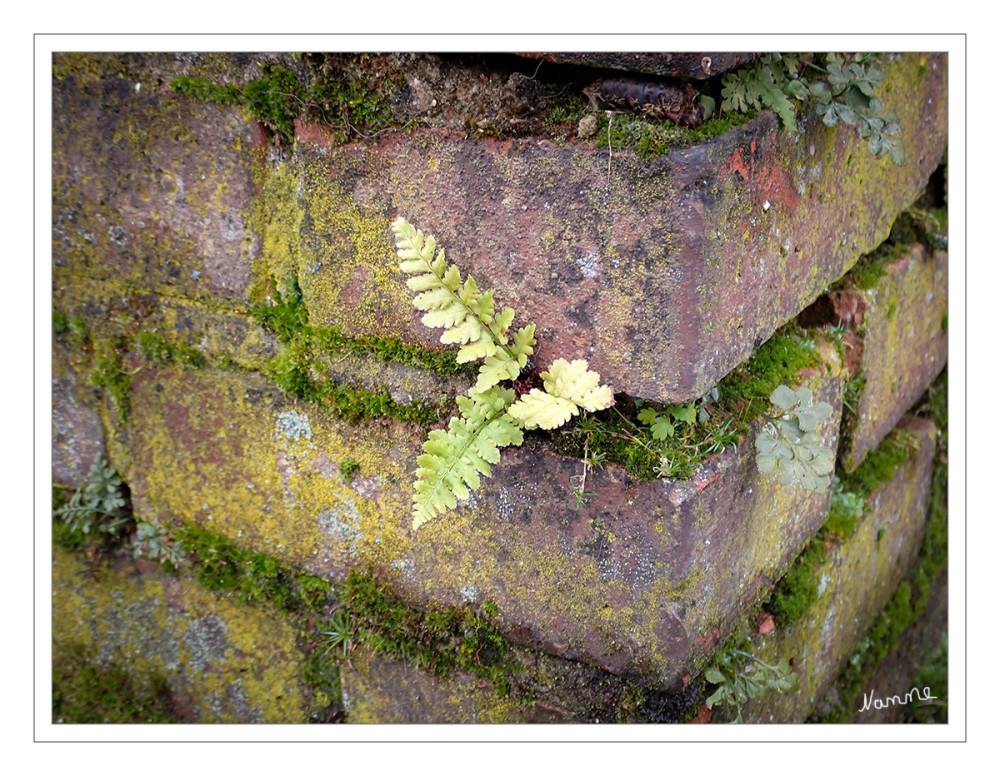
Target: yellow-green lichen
[[224, 663]]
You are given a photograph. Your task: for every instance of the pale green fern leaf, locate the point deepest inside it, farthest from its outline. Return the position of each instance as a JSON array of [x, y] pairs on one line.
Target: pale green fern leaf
[[454, 460], [468, 316], [569, 387], [501, 366], [539, 409], [573, 381]]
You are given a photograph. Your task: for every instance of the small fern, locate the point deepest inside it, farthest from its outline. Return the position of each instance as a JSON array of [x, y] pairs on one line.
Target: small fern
[[468, 316], [841, 90], [741, 676], [454, 459], [490, 417], [569, 387], [100, 505]]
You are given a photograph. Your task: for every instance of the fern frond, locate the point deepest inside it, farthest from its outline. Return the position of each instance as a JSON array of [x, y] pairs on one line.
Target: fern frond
[[453, 460], [569, 387], [772, 84], [468, 316]]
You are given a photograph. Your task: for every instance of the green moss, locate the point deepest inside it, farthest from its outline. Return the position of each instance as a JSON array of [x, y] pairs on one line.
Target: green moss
[[154, 346], [287, 316], [778, 361], [650, 138], [60, 321], [439, 641], [276, 99], [798, 589], [283, 313], [335, 100], [246, 575], [349, 469], [78, 327], [295, 371], [84, 691], [846, 509], [109, 372], [203, 89], [879, 465]]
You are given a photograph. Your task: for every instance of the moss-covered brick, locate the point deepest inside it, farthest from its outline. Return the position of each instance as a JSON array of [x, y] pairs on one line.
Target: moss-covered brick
[[218, 661], [77, 433], [152, 189], [903, 345], [229, 452], [918, 660], [855, 578], [664, 274]]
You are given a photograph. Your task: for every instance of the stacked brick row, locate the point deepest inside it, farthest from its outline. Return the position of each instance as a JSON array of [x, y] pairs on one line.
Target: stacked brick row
[[664, 274]]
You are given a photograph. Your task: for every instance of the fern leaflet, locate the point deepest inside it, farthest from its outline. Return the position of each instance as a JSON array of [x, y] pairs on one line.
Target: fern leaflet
[[569, 387], [454, 459], [468, 316]]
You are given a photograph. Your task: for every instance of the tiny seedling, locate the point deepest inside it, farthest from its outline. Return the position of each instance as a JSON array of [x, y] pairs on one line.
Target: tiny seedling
[[338, 632]]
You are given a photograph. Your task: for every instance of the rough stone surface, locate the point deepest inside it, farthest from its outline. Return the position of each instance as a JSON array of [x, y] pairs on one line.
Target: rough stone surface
[[77, 432], [546, 689], [665, 275], [111, 308], [171, 215], [393, 692], [698, 65], [904, 345], [896, 675], [152, 189], [856, 581], [222, 662], [646, 579]]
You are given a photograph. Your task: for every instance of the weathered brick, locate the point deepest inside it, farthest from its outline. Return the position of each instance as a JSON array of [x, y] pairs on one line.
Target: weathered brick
[[903, 344], [896, 675], [152, 189], [222, 662], [547, 689], [687, 64], [393, 692], [857, 579], [111, 309], [665, 275], [647, 578], [77, 432]]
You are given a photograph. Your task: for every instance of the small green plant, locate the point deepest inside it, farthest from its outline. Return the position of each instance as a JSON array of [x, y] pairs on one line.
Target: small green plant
[[338, 632], [741, 676], [491, 416], [99, 506], [349, 469], [789, 446], [846, 508], [157, 543], [661, 424], [842, 90]]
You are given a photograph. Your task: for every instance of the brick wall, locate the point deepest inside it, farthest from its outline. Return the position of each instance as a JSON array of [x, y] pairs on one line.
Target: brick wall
[[233, 333]]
